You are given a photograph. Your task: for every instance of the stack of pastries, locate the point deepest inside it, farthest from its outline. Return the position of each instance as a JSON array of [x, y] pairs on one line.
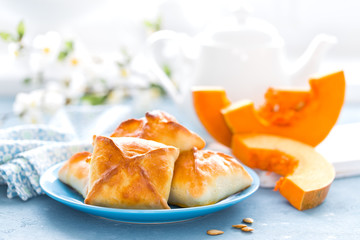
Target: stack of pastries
[[152, 162]]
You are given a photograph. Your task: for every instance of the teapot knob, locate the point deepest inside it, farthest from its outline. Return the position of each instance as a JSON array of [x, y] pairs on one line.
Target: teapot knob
[[242, 13]]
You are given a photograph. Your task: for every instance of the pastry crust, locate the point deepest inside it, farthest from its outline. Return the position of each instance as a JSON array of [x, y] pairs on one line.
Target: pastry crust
[[203, 177], [75, 172], [130, 173], [160, 127]]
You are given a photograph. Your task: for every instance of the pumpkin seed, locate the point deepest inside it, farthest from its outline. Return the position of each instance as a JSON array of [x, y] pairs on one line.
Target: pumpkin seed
[[248, 220], [214, 232], [239, 226], [247, 229]]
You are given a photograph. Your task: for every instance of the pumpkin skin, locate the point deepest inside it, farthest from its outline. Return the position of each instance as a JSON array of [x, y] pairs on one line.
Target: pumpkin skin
[[306, 116], [307, 175], [208, 102]]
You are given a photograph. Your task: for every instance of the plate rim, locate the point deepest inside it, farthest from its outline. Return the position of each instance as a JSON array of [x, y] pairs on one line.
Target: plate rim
[[48, 173]]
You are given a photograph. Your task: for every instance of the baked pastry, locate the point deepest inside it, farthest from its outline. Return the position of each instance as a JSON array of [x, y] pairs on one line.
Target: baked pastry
[[137, 169], [130, 173], [203, 177], [160, 127], [75, 172]]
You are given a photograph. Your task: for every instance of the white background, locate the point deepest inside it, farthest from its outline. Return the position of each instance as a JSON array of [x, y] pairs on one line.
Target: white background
[[106, 25]]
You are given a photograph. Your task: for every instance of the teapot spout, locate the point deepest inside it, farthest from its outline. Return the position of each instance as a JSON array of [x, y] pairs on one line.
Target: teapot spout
[[309, 62]]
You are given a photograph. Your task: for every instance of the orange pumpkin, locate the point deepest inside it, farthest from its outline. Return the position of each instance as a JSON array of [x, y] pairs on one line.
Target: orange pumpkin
[[208, 103], [306, 116], [307, 175]]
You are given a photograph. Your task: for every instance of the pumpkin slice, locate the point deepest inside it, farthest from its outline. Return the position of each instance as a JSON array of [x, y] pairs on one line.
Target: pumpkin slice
[[307, 175], [208, 101], [306, 116]]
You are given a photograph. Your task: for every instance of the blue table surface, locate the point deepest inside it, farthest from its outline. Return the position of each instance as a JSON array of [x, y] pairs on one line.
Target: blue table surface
[[337, 218]]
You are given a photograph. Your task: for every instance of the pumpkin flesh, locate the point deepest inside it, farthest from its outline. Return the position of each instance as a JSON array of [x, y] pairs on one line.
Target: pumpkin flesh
[[208, 103], [306, 116], [307, 176]]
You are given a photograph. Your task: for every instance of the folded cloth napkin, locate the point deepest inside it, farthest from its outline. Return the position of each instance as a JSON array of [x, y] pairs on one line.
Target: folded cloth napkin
[[28, 151]]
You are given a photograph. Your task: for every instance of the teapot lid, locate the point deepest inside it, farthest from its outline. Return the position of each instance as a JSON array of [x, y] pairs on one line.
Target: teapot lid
[[243, 31]]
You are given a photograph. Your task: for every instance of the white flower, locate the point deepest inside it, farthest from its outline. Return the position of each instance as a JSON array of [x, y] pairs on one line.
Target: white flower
[[52, 101], [46, 48], [27, 101], [20, 103], [77, 85], [33, 116], [48, 44], [14, 49], [79, 58], [28, 106], [116, 96], [32, 106]]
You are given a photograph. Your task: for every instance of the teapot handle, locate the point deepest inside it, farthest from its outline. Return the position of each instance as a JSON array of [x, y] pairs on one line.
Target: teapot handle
[[165, 81]]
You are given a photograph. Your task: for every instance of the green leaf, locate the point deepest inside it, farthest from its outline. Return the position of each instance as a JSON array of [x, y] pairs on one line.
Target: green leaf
[[148, 24], [62, 55], [155, 25], [69, 45], [20, 30], [159, 88], [119, 64], [27, 81], [94, 99], [7, 37], [167, 70], [67, 49]]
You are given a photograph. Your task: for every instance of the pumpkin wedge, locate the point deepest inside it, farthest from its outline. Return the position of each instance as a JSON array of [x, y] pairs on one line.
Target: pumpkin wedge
[[208, 102], [307, 175], [306, 116]]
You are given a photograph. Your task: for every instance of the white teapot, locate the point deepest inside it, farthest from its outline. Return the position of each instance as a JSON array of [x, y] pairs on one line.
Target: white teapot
[[245, 58]]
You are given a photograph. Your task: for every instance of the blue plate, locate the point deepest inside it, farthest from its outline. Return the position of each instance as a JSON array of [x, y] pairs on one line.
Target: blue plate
[[60, 192]]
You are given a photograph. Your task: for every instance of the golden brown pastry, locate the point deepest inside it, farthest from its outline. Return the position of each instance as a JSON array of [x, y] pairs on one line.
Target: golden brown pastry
[[130, 173], [204, 177], [160, 127], [75, 172]]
